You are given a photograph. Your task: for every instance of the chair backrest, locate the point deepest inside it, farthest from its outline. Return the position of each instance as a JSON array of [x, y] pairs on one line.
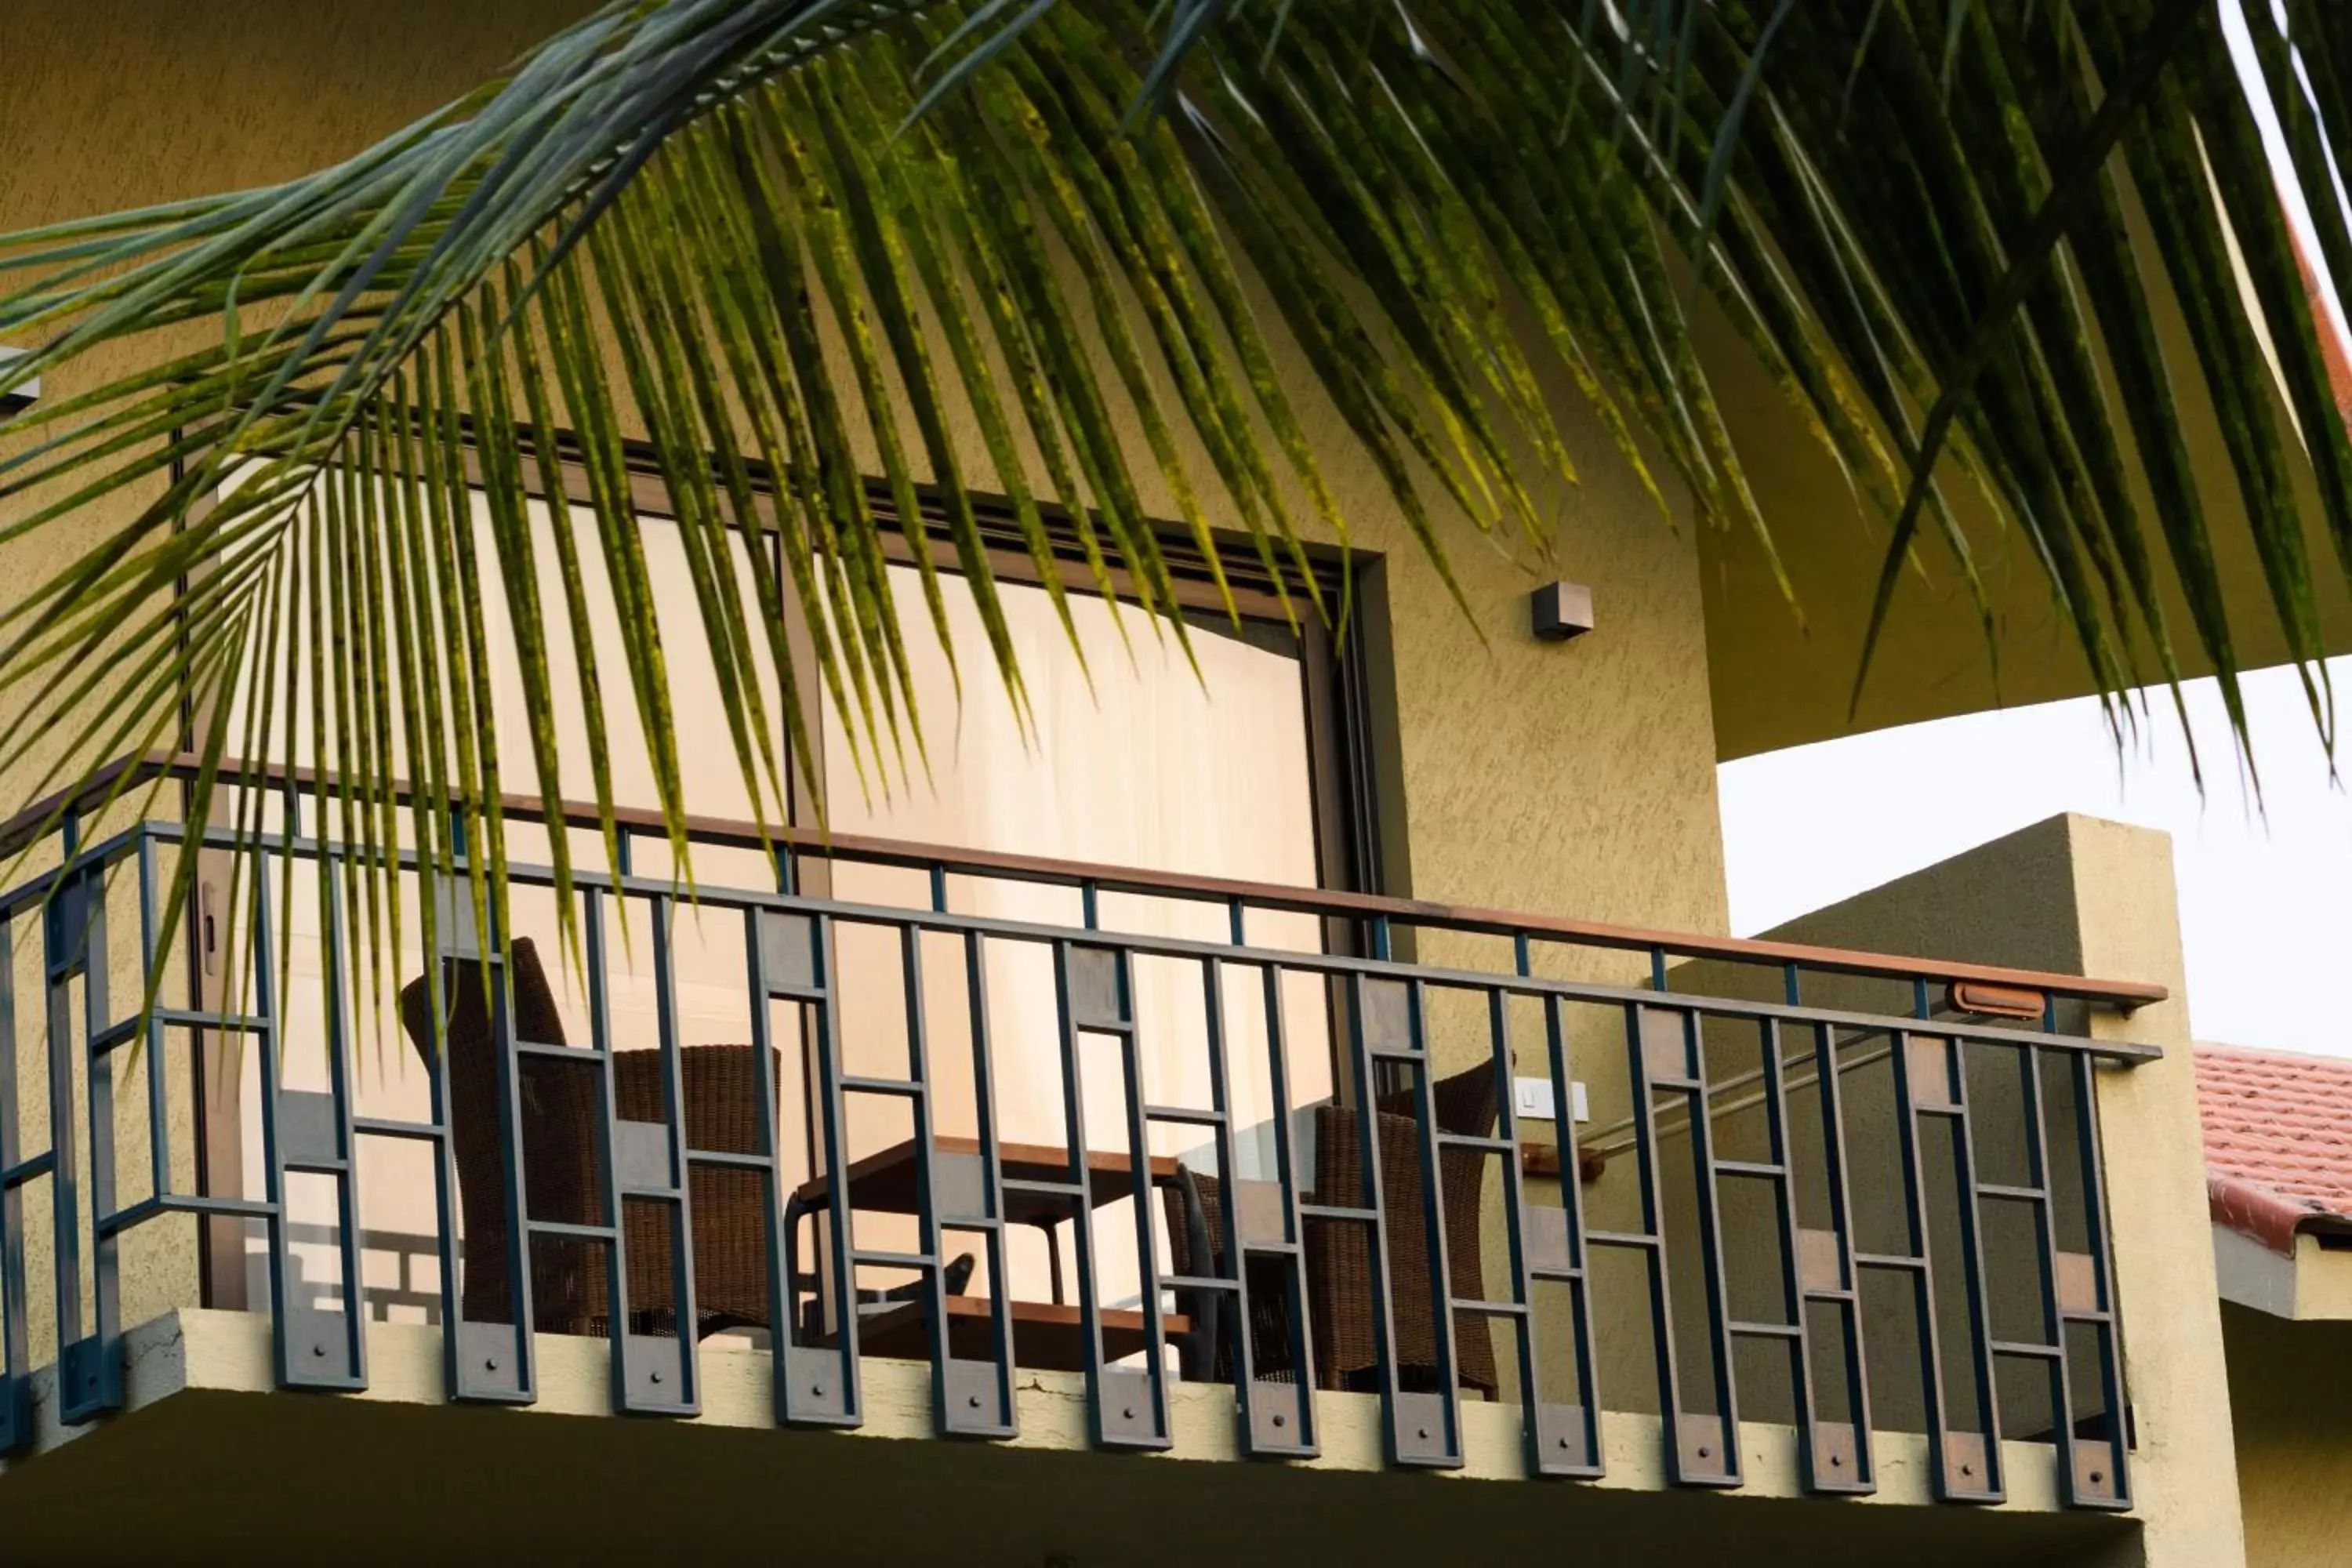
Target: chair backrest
[[1338, 1254], [559, 1154]]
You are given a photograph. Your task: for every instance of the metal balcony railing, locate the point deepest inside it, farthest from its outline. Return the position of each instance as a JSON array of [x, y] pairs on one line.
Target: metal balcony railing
[[1813, 1180]]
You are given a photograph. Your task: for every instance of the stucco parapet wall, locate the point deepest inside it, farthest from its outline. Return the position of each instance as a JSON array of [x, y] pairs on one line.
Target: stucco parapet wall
[[197, 1350]]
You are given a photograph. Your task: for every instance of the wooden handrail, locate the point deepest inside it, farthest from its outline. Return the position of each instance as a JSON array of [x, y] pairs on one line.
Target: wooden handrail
[[2124, 994]]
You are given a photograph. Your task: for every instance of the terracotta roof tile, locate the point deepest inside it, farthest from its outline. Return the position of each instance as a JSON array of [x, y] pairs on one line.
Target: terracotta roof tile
[[2278, 1141]]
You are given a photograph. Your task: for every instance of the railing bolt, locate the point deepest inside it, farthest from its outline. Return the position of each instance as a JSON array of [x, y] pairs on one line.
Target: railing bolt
[[2098, 1476], [1836, 1461], [656, 1377], [1968, 1470], [1703, 1453], [317, 1350], [1562, 1441], [1127, 1414], [1280, 1422], [1424, 1433], [490, 1364], [817, 1390], [972, 1400]]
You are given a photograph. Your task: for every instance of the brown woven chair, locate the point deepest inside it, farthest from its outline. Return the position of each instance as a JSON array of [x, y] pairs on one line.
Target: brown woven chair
[[1338, 1254], [561, 1181], [1194, 1205]]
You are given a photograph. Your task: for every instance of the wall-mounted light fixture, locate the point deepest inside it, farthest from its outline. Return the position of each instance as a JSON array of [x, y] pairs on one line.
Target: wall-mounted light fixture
[[22, 394], [1562, 610]]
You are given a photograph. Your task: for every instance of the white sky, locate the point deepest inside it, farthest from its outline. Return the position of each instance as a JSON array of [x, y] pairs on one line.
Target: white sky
[[2266, 895], [2265, 892]]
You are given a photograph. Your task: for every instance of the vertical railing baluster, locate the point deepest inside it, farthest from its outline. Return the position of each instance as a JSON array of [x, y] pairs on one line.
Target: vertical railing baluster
[[929, 1236], [1073, 1128], [1153, 1431], [2054, 1284], [489, 1362], [1565, 1439], [15, 1170], [1430, 1425], [159, 1117], [1129, 1409], [313, 1136], [1648, 1028], [819, 1385], [98, 1067], [660, 1175], [78, 1372], [1842, 1461], [1780, 1149], [1979, 1307], [623, 1375], [1516, 1239], [2090, 1476], [1724, 1461], [1301, 1408], [267, 1039], [1952, 1451], [979, 1393]]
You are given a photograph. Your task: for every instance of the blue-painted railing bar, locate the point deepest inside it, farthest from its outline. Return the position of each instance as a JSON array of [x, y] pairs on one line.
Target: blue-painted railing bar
[[1948, 1451], [980, 1392], [1421, 1413], [319, 1348], [1961, 1130], [929, 1264], [1283, 1421], [158, 1119], [819, 1385], [15, 1170], [1370, 1198], [1650, 1242], [83, 1386], [663, 1372], [604, 1123], [2096, 1474], [1565, 1439], [101, 1378], [1142, 1192]]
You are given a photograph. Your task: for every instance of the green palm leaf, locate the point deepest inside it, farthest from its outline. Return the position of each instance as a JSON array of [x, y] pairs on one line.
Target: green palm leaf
[[782, 251]]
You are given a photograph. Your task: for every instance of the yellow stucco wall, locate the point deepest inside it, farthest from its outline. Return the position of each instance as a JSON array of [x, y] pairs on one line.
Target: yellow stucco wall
[[2290, 1402]]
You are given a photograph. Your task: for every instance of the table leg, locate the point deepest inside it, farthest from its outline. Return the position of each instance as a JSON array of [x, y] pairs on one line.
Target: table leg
[[1051, 1231]]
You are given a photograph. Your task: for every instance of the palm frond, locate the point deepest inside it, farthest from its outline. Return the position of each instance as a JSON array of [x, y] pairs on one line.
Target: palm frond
[[777, 249]]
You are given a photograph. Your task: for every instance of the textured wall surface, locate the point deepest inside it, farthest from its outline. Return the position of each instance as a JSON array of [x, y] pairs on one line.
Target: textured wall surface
[[2290, 1390], [2080, 896]]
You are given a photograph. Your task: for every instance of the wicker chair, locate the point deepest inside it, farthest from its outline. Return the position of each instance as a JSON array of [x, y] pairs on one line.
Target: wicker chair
[[570, 1288], [1338, 1254]]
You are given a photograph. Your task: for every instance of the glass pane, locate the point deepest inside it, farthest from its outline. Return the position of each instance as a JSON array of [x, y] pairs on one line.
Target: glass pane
[[1152, 767]]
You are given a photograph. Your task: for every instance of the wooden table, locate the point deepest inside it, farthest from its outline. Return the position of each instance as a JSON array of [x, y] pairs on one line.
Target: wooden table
[[1048, 1335], [884, 1182]]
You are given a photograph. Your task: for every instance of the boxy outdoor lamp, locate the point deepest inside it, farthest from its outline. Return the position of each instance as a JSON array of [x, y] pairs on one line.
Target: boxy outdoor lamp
[[1561, 611], [22, 394]]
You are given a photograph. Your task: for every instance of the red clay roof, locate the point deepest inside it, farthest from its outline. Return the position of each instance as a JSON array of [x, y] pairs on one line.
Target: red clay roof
[[2278, 1141]]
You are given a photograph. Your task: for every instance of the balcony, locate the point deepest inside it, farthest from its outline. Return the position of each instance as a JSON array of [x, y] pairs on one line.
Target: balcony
[[936, 1142]]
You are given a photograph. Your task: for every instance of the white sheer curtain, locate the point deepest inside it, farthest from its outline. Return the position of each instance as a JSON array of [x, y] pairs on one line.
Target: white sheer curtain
[[1151, 767]]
